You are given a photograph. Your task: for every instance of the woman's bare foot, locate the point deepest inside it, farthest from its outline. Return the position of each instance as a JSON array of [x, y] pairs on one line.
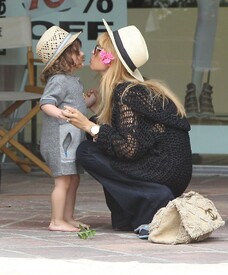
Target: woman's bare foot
[[63, 226], [77, 224]]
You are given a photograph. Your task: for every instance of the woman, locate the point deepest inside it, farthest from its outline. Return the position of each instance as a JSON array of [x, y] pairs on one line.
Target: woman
[[140, 151]]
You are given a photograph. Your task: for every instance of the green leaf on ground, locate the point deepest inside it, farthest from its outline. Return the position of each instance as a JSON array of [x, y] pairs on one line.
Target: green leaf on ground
[[86, 233]]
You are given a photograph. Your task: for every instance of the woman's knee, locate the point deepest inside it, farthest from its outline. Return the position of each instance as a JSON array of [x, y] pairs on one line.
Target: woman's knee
[[82, 149], [83, 153], [89, 155], [85, 149]]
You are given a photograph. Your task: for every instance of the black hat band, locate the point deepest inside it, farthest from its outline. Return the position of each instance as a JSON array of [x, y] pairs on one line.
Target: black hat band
[[123, 52]]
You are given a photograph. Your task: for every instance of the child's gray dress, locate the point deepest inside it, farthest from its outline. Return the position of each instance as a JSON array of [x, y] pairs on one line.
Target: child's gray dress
[[60, 139]]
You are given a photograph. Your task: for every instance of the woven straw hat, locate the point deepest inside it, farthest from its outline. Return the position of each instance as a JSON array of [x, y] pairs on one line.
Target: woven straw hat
[[130, 47], [52, 44]]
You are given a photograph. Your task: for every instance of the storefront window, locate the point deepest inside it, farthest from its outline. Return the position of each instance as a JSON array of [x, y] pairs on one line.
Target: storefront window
[[167, 3], [187, 41]]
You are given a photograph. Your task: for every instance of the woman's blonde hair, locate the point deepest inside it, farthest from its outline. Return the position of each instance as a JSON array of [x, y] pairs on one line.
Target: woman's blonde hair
[[65, 63], [117, 74]]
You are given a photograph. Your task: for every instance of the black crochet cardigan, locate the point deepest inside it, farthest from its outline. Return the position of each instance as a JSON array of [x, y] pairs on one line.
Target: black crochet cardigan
[[147, 140]]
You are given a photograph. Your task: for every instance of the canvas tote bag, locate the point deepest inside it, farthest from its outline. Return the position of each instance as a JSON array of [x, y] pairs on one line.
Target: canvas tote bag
[[189, 218]]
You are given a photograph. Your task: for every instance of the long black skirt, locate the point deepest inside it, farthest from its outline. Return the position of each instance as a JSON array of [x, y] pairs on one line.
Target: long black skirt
[[132, 202]]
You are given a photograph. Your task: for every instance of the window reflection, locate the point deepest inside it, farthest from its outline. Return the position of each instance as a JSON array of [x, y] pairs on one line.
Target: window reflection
[[167, 3]]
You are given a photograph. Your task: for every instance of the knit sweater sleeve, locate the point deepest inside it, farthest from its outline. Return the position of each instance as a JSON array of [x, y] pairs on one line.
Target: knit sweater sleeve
[[132, 132]]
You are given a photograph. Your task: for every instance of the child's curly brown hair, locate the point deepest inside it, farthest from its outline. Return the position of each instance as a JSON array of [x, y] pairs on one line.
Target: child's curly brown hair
[[64, 64]]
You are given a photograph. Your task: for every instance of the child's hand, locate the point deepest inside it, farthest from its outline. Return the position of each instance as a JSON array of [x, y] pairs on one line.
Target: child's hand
[[90, 100], [92, 92], [91, 97]]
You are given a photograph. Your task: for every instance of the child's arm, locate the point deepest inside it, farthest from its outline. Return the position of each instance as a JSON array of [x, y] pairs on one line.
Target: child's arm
[[52, 110]]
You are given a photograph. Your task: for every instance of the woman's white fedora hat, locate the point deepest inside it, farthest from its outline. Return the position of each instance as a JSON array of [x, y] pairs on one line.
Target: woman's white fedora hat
[[52, 44], [130, 47]]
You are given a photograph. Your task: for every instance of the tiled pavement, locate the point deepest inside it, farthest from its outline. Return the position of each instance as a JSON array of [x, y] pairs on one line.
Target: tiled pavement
[[28, 248]]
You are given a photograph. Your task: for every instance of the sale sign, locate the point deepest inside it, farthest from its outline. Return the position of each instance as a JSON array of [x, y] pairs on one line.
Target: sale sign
[[36, 7], [71, 15]]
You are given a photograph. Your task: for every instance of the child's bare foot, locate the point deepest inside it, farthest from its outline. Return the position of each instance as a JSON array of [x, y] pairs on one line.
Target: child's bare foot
[[63, 226], [77, 224]]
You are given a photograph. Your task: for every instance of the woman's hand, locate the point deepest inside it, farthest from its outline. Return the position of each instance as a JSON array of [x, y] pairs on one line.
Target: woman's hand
[[77, 119]]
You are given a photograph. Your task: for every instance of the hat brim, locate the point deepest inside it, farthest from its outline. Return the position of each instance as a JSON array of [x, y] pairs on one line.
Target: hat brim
[[56, 56], [136, 73]]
